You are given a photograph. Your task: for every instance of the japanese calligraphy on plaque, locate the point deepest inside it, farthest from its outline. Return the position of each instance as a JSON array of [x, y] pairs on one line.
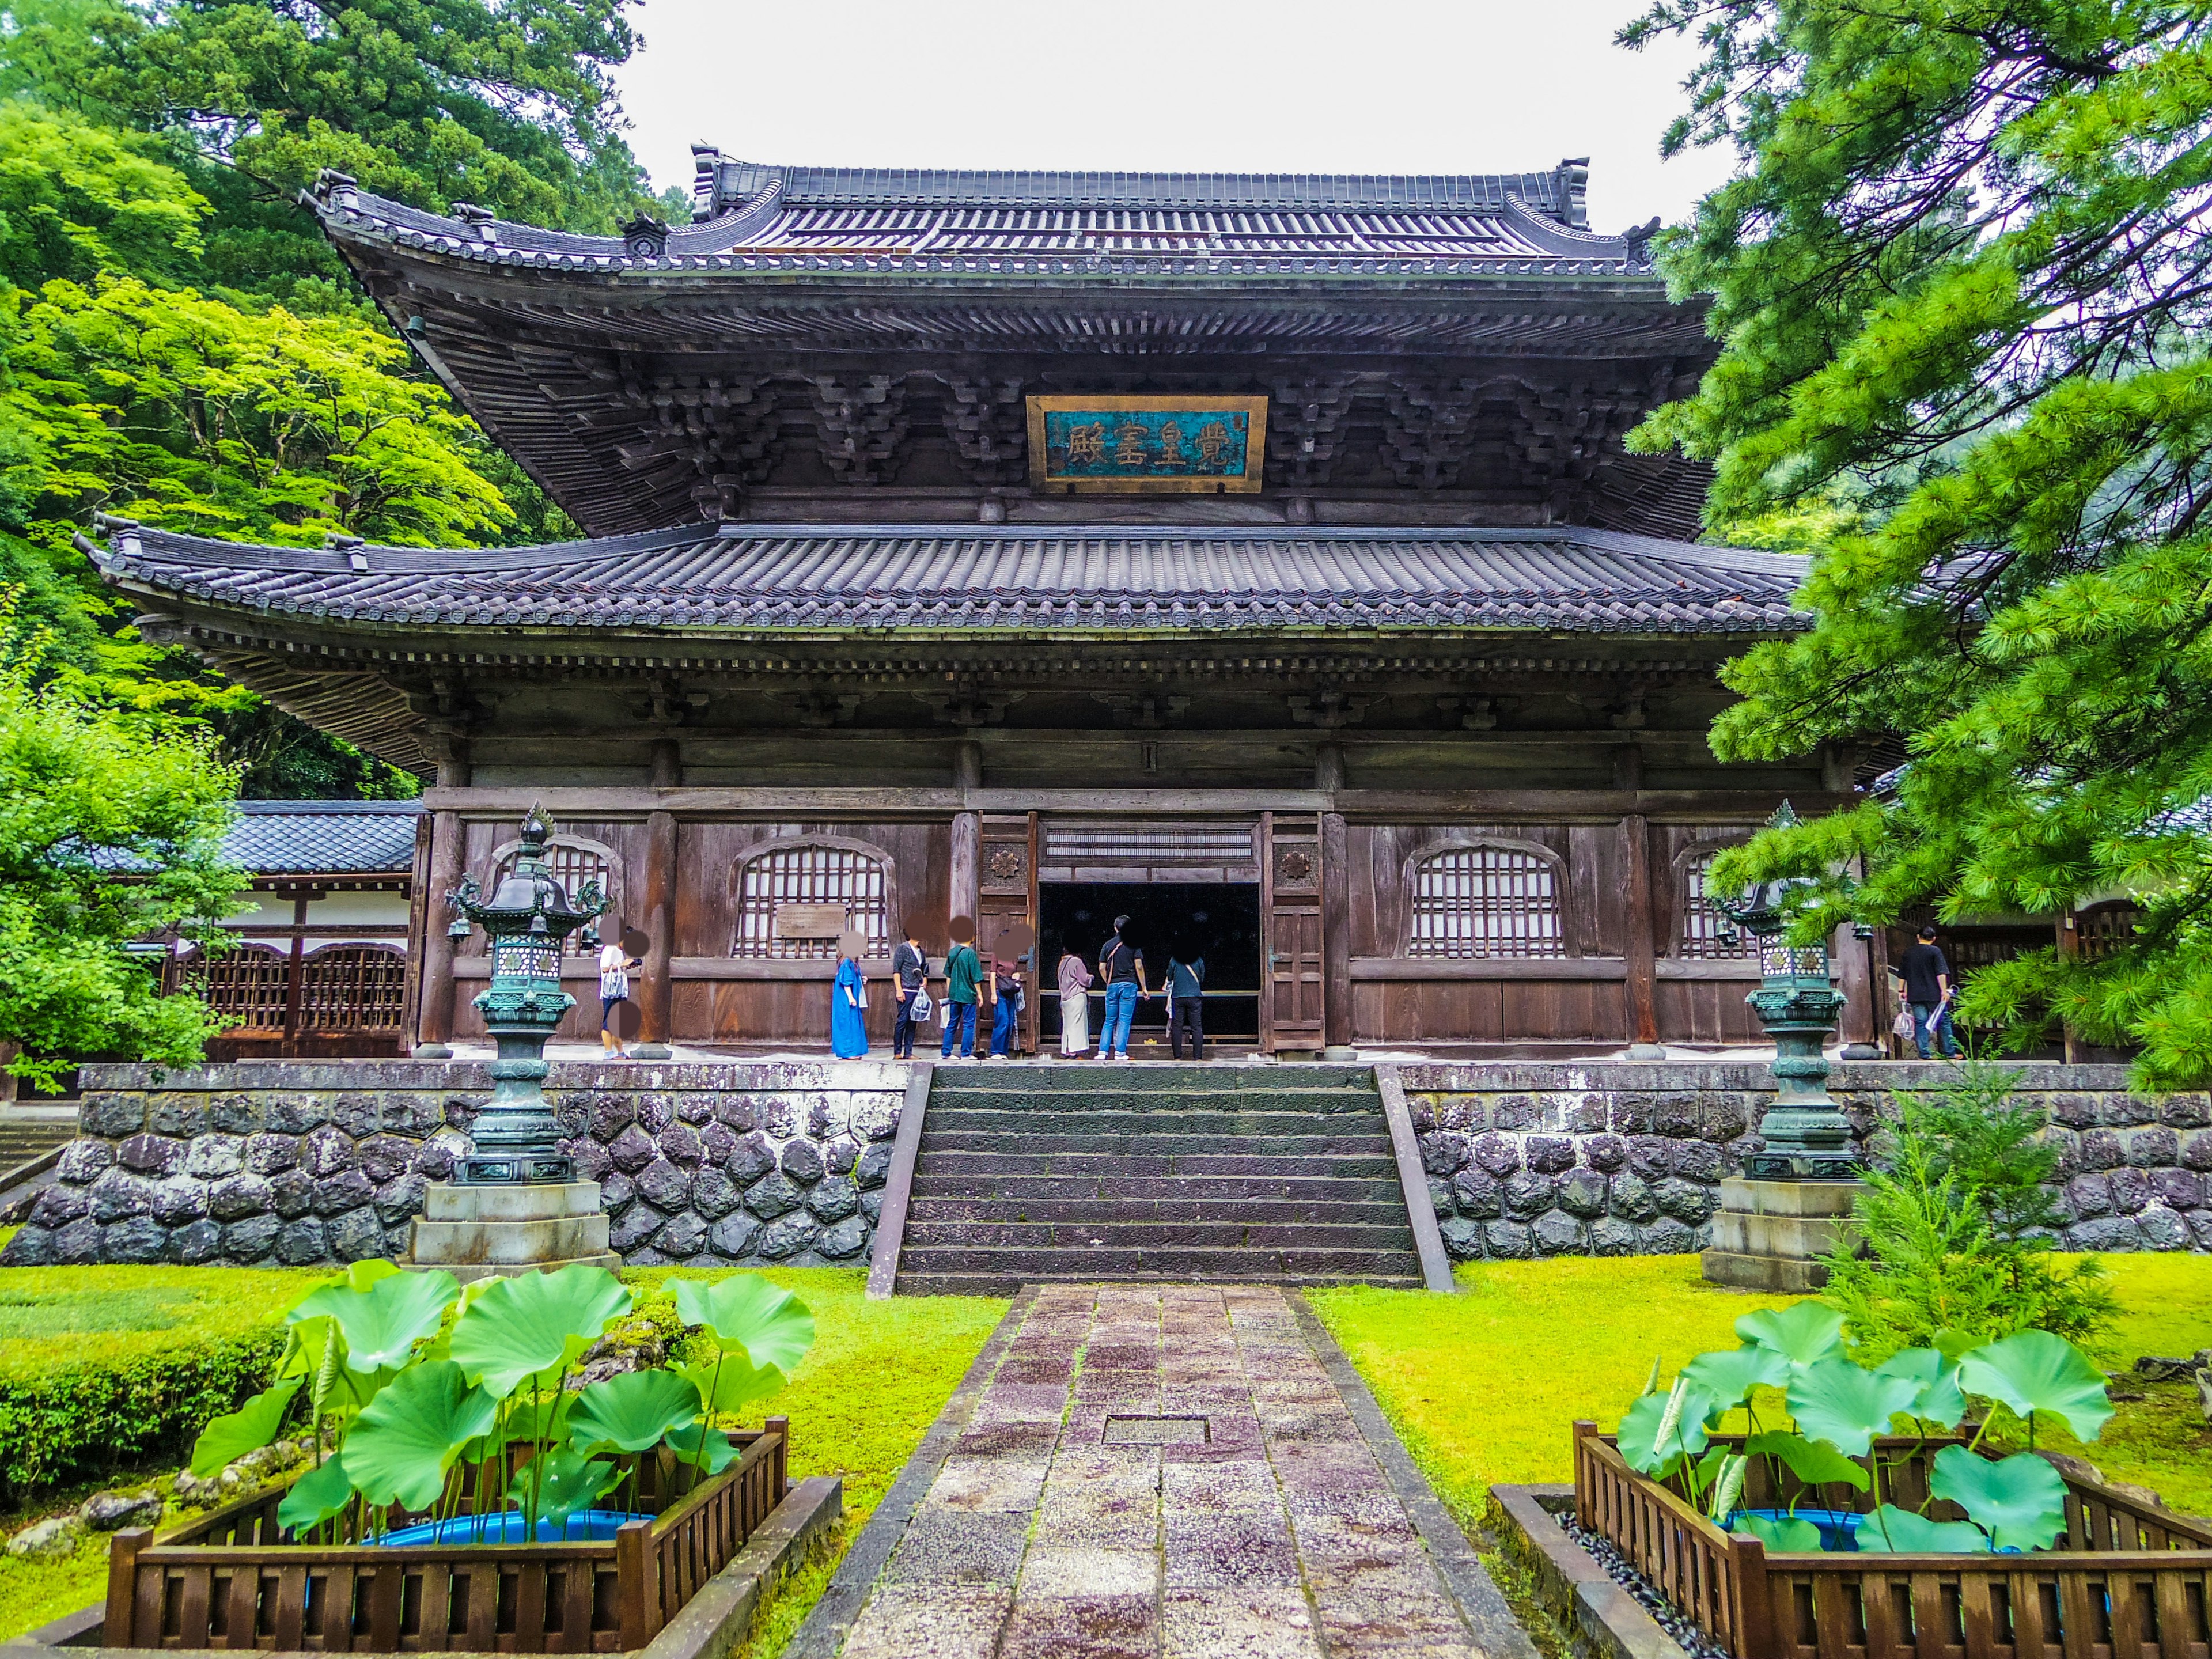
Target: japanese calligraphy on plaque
[[1162, 445]]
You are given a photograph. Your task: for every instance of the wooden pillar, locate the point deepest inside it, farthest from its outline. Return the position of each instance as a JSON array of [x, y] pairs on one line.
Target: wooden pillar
[[667, 763], [295, 976], [965, 886], [434, 1028], [1854, 960], [657, 1006], [1636, 861], [2069, 951], [1335, 933], [420, 912]]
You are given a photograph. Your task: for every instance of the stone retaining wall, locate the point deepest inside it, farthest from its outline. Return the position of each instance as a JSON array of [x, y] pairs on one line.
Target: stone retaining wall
[[297, 1163], [1612, 1159]]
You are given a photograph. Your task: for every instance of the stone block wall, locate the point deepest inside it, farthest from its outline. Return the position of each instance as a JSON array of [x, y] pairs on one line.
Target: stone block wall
[[292, 1163], [1578, 1159]]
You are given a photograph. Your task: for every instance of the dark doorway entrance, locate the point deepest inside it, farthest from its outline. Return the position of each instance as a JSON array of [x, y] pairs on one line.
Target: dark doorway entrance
[[1218, 921]]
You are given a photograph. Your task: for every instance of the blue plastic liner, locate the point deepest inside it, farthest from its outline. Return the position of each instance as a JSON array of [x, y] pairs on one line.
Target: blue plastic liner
[[584, 1526], [1839, 1528]]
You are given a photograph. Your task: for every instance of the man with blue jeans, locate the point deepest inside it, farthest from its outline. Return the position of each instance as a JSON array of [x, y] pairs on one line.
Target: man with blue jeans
[[1123, 967], [962, 968], [1927, 975]]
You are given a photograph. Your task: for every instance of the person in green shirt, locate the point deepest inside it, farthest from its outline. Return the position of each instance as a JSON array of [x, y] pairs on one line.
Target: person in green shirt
[[962, 969]]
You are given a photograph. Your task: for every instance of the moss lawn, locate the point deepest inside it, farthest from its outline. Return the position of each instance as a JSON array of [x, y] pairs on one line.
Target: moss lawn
[[1483, 1386]]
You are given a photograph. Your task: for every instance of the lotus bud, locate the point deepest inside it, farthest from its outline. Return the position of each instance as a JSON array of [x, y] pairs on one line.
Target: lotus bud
[[1651, 1382], [1729, 1487]]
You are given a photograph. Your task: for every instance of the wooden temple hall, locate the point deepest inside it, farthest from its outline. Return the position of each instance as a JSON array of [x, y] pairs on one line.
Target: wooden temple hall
[[1255, 555]]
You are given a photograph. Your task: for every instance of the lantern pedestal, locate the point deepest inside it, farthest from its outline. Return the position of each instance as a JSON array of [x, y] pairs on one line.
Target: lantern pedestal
[[1770, 1235], [488, 1232]]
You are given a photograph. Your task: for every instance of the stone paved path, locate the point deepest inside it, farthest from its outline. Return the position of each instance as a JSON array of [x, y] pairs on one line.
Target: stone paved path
[[1167, 1471]]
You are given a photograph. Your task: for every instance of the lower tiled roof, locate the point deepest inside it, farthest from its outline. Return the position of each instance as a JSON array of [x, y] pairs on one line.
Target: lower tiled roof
[[748, 577], [324, 837]]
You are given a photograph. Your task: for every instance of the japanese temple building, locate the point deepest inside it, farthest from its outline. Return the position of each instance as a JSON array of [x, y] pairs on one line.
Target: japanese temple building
[[1258, 555]]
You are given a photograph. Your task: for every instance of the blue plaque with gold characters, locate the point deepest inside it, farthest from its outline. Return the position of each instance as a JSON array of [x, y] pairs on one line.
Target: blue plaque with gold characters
[[1162, 445]]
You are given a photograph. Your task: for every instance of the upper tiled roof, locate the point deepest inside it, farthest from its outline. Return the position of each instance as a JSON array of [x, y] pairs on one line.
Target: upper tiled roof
[[756, 218], [324, 837], [1055, 579]]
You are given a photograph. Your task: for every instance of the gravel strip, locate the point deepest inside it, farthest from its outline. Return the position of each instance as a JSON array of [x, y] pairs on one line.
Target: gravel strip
[[1683, 1629]]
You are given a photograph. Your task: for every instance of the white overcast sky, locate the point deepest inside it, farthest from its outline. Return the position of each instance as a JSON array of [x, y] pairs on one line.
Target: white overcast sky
[[1298, 86]]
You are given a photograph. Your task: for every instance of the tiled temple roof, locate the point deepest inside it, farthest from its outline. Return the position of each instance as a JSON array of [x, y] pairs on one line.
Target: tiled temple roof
[[1042, 580], [324, 837]]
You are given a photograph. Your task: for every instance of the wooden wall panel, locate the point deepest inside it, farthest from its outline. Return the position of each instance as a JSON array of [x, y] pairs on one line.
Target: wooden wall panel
[[706, 854], [1707, 1012]]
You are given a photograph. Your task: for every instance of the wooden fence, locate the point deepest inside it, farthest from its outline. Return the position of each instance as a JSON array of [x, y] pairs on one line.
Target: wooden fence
[[2128, 1581], [229, 1580]]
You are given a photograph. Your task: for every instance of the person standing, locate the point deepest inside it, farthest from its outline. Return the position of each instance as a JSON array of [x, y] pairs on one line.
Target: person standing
[[1186, 1006], [615, 966], [848, 1002], [1928, 991], [1006, 1006], [962, 969], [910, 971], [1121, 965], [1075, 983]]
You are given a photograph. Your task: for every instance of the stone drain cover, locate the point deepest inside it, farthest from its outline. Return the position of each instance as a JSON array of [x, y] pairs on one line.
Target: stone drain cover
[[1157, 1431]]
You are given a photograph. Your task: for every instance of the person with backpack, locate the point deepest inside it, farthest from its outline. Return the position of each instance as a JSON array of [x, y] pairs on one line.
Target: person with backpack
[[1186, 1006], [1006, 1006], [1121, 965], [909, 971], [963, 972]]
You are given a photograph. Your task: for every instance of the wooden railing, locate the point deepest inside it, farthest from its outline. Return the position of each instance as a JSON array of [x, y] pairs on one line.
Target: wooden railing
[[228, 1580], [2128, 1581]]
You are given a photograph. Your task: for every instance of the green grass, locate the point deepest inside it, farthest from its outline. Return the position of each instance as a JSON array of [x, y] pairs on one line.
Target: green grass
[[55, 1316], [1484, 1388]]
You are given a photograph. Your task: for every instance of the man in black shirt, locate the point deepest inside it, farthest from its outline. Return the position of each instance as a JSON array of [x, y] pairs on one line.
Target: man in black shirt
[[909, 968], [1927, 991]]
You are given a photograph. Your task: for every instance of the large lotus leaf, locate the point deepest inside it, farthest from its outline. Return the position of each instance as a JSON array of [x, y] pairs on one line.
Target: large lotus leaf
[[348, 1389], [1939, 1401], [382, 1324], [771, 1325], [535, 1323], [631, 1412], [1662, 1428], [730, 1382], [1815, 1462], [1893, 1531], [1787, 1536], [1804, 1333], [402, 1445], [1848, 1405], [684, 1442], [2021, 1500], [1729, 1374], [248, 1429], [316, 1496], [2036, 1371], [557, 1483]]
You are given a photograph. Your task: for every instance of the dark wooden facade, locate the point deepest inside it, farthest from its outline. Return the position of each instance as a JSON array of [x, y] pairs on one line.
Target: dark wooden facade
[[1434, 693]]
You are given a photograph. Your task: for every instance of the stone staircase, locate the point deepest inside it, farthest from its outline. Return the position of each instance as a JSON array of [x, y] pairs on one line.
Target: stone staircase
[[1187, 1173], [26, 1138]]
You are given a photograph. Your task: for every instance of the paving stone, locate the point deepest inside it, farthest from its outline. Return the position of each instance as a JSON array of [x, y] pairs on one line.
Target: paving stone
[[1050, 1569], [944, 1621], [1082, 1627], [1248, 1622], [946, 1545]]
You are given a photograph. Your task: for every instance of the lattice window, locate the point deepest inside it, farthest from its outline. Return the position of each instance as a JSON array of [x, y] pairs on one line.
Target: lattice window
[[810, 874], [2108, 927], [1701, 923], [573, 866], [351, 987], [1485, 901], [247, 982]]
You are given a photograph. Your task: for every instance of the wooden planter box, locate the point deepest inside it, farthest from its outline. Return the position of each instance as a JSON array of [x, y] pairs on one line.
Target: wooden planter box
[[229, 1580], [2128, 1580]]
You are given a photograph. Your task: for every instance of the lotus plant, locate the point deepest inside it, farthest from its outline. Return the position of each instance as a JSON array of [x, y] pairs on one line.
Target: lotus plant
[[425, 1394], [1835, 1407]]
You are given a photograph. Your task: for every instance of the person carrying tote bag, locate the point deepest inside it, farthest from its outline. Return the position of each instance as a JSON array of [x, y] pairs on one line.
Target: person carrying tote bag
[[1076, 980]]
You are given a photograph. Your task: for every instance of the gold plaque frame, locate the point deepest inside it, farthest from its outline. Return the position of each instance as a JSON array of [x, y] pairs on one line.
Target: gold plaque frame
[[1255, 446]]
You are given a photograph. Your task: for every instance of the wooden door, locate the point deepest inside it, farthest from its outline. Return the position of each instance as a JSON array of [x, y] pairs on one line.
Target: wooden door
[[1291, 1002], [1007, 897]]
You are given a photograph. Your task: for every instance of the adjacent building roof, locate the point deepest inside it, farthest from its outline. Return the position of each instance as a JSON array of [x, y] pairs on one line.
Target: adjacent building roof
[[324, 837], [749, 578]]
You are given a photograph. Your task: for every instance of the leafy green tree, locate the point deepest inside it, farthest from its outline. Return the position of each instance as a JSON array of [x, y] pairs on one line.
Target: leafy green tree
[[110, 830], [1962, 285]]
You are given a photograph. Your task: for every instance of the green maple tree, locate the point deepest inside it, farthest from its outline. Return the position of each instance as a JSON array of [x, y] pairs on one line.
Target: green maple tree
[[1960, 283]]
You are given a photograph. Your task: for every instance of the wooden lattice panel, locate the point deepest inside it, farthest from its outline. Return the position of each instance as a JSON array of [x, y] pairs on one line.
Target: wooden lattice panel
[[1701, 935], [248, 983], [1485, 901], [827, 875], [352, 988]]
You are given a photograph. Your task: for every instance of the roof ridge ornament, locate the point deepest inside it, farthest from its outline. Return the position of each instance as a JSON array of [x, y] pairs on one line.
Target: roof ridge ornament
[[644, 237], [339, 189]]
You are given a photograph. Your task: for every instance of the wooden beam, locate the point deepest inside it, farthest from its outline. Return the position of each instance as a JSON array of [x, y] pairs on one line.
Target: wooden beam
[[1637, 919], [1369, 970]]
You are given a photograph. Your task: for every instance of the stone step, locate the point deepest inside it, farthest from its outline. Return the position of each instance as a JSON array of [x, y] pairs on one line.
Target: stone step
[[1113, 1231], [1106, 1159], [967, 1120], [1312, 1187], [1004, 1284], [1382, 1212], [1153, 1078], [1160, 1145], [1025, 1262], [1323, 1102]]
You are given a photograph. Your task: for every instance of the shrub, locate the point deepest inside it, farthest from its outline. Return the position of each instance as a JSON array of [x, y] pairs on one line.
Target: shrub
[[1955, 1227]]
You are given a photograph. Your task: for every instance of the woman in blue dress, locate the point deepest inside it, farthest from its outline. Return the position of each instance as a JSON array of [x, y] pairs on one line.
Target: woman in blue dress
[[849, 1003]]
